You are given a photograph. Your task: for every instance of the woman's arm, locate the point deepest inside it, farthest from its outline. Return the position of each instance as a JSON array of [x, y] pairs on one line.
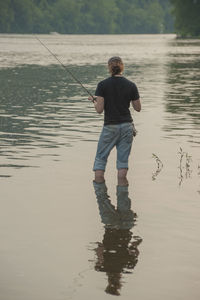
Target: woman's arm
[[137, 105], [98, 103]]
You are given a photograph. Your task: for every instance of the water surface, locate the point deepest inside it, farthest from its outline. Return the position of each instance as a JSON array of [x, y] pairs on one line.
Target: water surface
[[57, 239]]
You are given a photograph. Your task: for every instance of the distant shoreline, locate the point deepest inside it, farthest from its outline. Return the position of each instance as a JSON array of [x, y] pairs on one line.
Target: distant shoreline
[[82, 34], [56, 34]]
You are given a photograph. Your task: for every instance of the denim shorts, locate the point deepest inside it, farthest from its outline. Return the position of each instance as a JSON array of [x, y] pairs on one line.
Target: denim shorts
[[119, 136]]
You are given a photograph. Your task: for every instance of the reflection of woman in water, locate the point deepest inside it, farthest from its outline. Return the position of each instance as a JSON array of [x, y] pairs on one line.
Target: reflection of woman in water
[[116, 254]]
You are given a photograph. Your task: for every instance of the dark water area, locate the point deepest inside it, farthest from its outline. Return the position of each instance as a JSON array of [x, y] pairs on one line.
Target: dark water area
[[62, 236], [183, 94], [38, 105]]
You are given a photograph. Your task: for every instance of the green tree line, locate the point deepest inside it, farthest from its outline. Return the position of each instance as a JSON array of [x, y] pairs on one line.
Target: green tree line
[[85, 16], [187, 17]]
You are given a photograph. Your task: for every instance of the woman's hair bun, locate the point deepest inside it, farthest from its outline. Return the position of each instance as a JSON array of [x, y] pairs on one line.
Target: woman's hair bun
[[115, 70]]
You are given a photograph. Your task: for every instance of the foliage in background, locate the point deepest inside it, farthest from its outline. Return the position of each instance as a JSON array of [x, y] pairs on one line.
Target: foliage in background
[[187, 17], [85, 16]]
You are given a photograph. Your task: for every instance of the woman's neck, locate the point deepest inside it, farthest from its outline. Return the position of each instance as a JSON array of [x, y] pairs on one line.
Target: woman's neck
[[118, 75]]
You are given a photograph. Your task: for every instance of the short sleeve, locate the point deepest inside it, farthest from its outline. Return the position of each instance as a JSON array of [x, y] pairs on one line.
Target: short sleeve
[[134, 92], [99, 90]]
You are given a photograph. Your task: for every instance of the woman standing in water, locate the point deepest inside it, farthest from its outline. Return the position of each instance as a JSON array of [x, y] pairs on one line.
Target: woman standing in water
[[113, 96]]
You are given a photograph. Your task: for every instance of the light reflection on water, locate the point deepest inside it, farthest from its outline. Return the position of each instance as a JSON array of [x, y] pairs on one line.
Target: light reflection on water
[[82, 49]]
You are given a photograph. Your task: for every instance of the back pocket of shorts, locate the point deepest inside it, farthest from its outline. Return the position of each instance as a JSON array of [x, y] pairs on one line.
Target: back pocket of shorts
[[109, 133]]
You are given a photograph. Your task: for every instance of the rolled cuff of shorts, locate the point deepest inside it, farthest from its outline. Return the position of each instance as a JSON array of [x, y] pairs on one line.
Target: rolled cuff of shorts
[[122, 165], [99, 165]]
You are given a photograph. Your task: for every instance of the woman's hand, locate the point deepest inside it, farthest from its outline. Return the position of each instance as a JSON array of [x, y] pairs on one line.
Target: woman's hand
[[92, 98], [98, 103]]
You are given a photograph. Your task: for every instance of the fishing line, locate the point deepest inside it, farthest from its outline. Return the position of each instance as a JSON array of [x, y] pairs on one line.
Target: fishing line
[[72, 75]]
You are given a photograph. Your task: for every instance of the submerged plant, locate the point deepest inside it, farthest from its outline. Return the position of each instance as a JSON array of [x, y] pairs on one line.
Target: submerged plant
[[198, 169], [187, 165], [184, 164], [181, 155], [159, 166]]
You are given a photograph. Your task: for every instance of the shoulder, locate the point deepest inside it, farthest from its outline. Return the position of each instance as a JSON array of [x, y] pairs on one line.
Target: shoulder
[[102, 86], [105, 81], [132, 87], [131, 83]]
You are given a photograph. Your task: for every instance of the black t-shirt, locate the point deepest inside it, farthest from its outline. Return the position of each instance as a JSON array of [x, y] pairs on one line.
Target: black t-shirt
[[117, 92]]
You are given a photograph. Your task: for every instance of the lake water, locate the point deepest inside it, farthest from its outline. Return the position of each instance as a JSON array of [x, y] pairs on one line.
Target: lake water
[[61, 237]]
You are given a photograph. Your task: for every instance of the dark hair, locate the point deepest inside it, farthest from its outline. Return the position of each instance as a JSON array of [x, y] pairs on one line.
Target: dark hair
[[115, 65]]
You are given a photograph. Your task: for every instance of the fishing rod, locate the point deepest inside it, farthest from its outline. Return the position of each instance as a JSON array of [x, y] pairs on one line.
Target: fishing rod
[[72, 75]]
